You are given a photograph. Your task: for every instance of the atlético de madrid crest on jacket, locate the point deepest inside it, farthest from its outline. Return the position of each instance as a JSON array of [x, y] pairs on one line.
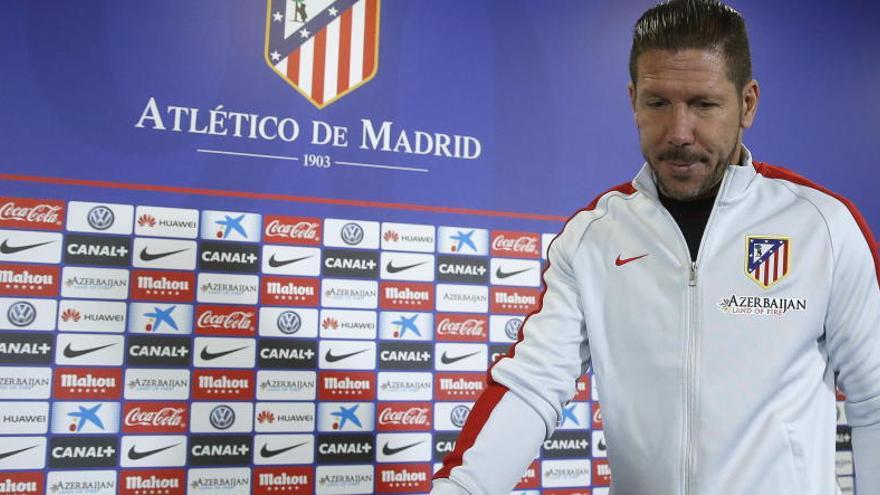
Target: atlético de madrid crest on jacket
[[325, 49], [767, 259]]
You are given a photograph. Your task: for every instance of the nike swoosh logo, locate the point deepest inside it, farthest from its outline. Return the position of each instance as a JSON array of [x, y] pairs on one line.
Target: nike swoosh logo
[[208, 356], [621, 262], [500, 274], [153, 257], [266, 452], [274, 263], [391, 451], [449, 360], [5, 248], [135, 455], [397, 269], [70, 353], [11, 453], [332, 358]]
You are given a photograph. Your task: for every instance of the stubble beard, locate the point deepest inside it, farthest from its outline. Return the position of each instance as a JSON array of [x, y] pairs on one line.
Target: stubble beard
[[701, 190]]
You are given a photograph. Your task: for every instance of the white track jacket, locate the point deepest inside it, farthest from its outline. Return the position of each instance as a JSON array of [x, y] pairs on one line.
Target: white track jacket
[[715, 377]]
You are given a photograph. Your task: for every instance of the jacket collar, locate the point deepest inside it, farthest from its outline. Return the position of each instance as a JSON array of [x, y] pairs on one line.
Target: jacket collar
[[737, 179]]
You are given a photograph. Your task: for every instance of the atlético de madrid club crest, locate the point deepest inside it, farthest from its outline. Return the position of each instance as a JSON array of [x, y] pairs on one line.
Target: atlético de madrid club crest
[[768, 259], [325, 49]]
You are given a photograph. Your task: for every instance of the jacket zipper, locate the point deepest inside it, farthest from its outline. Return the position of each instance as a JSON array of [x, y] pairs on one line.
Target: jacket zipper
[[692, 345]]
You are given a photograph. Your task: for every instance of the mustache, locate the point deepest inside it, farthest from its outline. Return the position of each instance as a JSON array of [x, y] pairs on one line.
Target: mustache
[[682, 155]]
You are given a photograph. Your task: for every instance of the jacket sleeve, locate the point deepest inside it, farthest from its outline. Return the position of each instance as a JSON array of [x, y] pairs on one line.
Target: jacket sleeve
[[527, 388], [852, 329]]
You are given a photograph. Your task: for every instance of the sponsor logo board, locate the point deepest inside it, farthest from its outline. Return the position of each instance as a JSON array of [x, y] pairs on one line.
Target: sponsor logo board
[[91, 316], [462, 298], [462, 269], [226, 321], [348, 263], [516, 272], [405, 386], [89, 349], [155, 417], [288, 322], [347, 354], [85, 417], [97, 250], [304, 231], [351, 234], [403, 447], [153, 451], [167, 286], [291, 260], [168, 254], [404, 325], [463, 240], [26, 383], [218, 352], [21, 348], [22, 483], [24, 418], [286, 353], [147, 350], [458, 386], [27, 213], [462, 327], [336, 448], [408, 237], [284, 417], [284, 449], [219, 450], [348, 324], [355, 294], [226, 481], [223, 385], [405, 356], [575, 416], [450, 416], [515, 244], [228, 289], [160, 318], [30, 247], [152, 482], [221, 417], [407, 266], [156, 384], [444, 444], [226, 257], [346, 385], [346, 416], [83, 452], [460, 357], [230, 226], [287, 385], [82, 482], [29, 280], [100, 218], [504, 328], [514, 301], [406, 296], [289, 291], [166, 222], [287, 479], [566, 444], [564, 473], [344, 480], [27, 314], [94, 283], [22, 453], [404, 416]]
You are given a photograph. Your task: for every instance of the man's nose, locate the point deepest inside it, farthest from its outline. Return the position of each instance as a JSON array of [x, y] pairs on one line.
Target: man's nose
[[681, 126]]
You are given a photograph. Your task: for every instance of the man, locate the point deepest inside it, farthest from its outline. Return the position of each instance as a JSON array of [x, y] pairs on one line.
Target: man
[[714, 296]]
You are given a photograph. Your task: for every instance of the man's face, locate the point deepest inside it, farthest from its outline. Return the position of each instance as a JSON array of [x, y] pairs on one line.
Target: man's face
[[690, 117]]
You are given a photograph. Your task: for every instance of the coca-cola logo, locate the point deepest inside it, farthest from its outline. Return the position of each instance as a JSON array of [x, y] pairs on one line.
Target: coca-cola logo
[[470, 327], [299, 230], [159, 417], [236, 320], [40, 213], [522, 244], [414, 416]]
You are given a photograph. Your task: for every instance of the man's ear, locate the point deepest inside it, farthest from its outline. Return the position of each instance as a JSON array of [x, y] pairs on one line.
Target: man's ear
[[751, 93]]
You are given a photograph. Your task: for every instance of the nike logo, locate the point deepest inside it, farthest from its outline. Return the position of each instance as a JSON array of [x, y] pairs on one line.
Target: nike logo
[[153, 257], [135, 455], [391, 451], [332, 358], [621, 262], [397, 269], [208, 356], [11, 453], [449, 360], [266, 452], [500, 274], [5, 248], [601, 445], [70, 353], [274, 263]]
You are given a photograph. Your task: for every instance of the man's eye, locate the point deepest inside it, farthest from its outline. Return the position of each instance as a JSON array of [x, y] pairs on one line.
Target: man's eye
[[707, 104], [657, 104]]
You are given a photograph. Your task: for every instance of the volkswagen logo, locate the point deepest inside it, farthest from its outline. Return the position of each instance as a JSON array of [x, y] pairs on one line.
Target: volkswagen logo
[[222, 417], [511, 328], [21, 314], [101, 218], [289, 322], [352, 234], [459, 415]]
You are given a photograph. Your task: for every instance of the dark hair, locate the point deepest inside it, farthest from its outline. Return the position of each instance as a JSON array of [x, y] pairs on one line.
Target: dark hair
[[702, 24]]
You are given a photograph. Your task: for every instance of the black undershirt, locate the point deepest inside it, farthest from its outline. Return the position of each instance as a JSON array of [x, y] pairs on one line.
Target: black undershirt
[[691, 217]]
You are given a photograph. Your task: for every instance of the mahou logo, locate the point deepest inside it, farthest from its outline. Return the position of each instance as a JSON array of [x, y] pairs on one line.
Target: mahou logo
[[28, 280], [404, 416], [237, 321], [406, 296], [462, 328], [601, 472], [223, 385], [347, 385], [515, 244], [403, 478], [87, 383], [292, 230], [22, 483], [155, 417], [458, 386], [288, 479], [582, 390], [169, 286], [22, 213], [152, 482], [514, 301], [290, 291]]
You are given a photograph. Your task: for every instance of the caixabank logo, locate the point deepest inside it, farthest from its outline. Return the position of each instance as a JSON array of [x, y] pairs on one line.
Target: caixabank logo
[[323, 49]]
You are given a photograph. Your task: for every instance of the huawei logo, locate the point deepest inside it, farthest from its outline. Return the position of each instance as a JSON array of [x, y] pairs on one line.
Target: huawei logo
[[266, 417], [146, 220], [330, 324], [71, 314], [391, 236]]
